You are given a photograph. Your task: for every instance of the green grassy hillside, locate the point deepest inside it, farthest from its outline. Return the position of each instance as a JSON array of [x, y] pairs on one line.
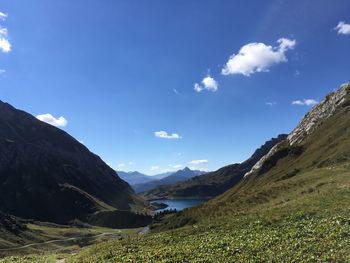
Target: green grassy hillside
[[309, 224], [44, 240]]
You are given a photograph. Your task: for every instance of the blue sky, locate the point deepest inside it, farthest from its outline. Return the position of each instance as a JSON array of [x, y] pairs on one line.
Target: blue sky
[[159, 85]]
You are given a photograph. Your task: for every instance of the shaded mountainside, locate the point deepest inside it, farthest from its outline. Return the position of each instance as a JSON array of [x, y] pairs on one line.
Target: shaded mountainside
[[309, 171], [47, 175], [11, 224], [214, 183], [135, 177], [176, 177]]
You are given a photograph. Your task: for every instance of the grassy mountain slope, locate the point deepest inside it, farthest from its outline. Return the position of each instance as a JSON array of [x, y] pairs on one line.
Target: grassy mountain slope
[[319, 161], [23, 237], [47, 175], [214, 183], [311, 223]]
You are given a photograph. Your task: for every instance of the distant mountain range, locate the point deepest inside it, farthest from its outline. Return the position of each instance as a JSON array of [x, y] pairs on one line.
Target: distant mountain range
[[172, 178], [136, 177], [47, 175], [213, 183]]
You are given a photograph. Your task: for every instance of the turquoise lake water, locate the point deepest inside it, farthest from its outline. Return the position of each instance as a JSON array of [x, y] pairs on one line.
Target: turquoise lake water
[[180, 204]]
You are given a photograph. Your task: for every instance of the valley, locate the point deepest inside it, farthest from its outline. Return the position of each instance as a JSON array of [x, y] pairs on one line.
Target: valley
[[293, 203], [175, 131]]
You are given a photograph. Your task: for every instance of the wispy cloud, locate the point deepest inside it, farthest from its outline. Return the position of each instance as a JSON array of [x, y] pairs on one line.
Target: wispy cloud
[[271, 103], [165, 135], [343, 28], [258, 57], [154, 168], [2, 71], [175, 166], [196, 162], [305, 102], [5, 45], [3, 16], [124, 165], [208, 83], [48, 118], [203, 169]]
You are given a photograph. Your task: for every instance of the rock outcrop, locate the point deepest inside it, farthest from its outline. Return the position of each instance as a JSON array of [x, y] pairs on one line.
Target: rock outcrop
[[318, 114], [311, 121]]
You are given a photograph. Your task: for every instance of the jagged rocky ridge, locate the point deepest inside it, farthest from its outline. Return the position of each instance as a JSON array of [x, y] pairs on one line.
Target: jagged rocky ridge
[[309, 176]]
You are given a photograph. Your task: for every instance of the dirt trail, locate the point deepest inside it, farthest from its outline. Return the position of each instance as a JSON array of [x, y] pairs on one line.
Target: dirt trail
[[57, 241]]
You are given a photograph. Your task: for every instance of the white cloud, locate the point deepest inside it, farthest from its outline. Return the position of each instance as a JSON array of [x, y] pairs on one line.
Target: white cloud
[[305, 102], [5, 45], [3, 16], [176, 166], [198, 87], [131, 163], [3, 31], [2, 71], [257, 57], [199, 168], [121, 165], [165, 135], [195, 162], [48, 118], [154, 168], [271, 103], [208, 83], [343, 28]]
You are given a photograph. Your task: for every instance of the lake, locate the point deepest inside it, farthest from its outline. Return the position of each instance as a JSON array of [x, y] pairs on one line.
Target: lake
[[180, 204]]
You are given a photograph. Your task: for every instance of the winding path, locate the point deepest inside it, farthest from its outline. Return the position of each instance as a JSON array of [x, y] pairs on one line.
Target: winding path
[[56, 241]]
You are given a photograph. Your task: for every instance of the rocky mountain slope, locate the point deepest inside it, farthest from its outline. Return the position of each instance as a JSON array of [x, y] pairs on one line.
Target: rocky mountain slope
[[308, 171], [213, 183], [45, 174]]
